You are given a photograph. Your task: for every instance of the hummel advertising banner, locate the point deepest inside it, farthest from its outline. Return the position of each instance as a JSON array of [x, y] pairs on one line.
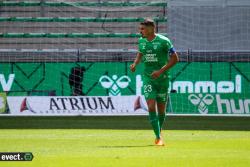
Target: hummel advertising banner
[[109, 88]]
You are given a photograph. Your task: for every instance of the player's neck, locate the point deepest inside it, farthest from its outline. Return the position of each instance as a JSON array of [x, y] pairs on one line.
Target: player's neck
[[151, 37]]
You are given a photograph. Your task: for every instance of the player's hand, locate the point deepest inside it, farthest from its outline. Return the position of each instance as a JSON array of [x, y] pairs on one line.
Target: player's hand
[[155, 74], [132, 67]]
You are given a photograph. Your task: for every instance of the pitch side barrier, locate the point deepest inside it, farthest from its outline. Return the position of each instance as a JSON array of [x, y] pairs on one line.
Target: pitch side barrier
[[78, 19], [89, 4], [115, 55]]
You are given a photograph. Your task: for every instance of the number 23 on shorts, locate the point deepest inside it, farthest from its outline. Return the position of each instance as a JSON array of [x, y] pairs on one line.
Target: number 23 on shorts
[[147, 88]]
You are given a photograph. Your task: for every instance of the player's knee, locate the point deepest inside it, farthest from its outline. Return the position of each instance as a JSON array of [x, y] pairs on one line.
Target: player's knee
[[151, 105]]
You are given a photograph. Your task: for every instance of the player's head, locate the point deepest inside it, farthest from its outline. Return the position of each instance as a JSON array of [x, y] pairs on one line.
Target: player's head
[[147, 28]]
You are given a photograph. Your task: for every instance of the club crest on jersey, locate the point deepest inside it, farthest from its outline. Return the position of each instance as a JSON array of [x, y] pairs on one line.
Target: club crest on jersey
[[155, 47], [143, 45]]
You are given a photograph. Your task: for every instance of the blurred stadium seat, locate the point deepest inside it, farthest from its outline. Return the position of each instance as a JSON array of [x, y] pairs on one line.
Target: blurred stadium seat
[[70, 24]]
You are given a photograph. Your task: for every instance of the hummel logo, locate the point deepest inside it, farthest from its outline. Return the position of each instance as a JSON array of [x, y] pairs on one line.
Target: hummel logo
[[201, 102], [114, 83]]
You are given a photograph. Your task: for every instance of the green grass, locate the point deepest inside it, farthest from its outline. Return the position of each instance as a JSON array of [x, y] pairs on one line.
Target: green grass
[[125, 148], [126, 141]]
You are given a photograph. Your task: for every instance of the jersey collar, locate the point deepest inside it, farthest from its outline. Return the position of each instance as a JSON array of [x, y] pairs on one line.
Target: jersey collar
[[152, 39]]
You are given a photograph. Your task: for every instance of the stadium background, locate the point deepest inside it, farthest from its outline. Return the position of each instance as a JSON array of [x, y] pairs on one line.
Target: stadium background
[[41, 41]]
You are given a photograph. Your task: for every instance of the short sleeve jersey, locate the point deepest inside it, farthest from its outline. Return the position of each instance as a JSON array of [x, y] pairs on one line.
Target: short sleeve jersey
[[155, 53]]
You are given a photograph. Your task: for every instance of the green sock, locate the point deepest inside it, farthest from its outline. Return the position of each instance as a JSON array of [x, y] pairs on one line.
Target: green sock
[[161, 117], [153, 118]]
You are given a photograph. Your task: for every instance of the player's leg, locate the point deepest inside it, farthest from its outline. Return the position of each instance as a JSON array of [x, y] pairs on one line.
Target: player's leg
[[150, 96], [161, 106], [154, 120], [153, 117], [161, 99]]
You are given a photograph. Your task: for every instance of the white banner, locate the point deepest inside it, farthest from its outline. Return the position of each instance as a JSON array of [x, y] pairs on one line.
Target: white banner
[[76, 105]]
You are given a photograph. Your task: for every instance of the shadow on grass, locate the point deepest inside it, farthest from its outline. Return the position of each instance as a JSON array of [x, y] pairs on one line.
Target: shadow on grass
[[125, 122], [126, 146]]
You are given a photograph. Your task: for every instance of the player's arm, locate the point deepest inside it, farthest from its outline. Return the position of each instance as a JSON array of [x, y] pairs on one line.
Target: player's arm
[[173, 60], [136, 61]]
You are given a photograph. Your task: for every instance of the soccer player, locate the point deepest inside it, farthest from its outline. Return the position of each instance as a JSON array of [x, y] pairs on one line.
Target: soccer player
[[158, 55]]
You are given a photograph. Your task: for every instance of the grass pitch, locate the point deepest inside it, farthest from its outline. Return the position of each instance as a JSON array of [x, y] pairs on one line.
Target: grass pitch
[[126, 147], [107, 148]]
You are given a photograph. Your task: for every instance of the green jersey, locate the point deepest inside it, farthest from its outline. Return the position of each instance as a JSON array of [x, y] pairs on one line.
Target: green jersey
[[155, 53]]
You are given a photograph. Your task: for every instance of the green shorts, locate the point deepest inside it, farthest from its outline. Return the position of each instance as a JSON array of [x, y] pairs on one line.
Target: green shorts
[[156, 88]]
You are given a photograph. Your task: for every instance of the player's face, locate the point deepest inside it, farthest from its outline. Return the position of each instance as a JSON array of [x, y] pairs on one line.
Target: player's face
[[145, 31]]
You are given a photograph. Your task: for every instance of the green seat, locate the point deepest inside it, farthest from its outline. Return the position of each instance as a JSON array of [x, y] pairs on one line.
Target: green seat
[[34, 35], [13, 35], [24, 3], [56, 35]]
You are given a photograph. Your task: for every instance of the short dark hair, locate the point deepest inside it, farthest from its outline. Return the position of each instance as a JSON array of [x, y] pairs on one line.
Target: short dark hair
[[148, 22]]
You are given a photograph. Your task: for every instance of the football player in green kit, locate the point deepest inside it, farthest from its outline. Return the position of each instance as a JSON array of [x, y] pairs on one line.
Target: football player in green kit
[[158, 55]]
